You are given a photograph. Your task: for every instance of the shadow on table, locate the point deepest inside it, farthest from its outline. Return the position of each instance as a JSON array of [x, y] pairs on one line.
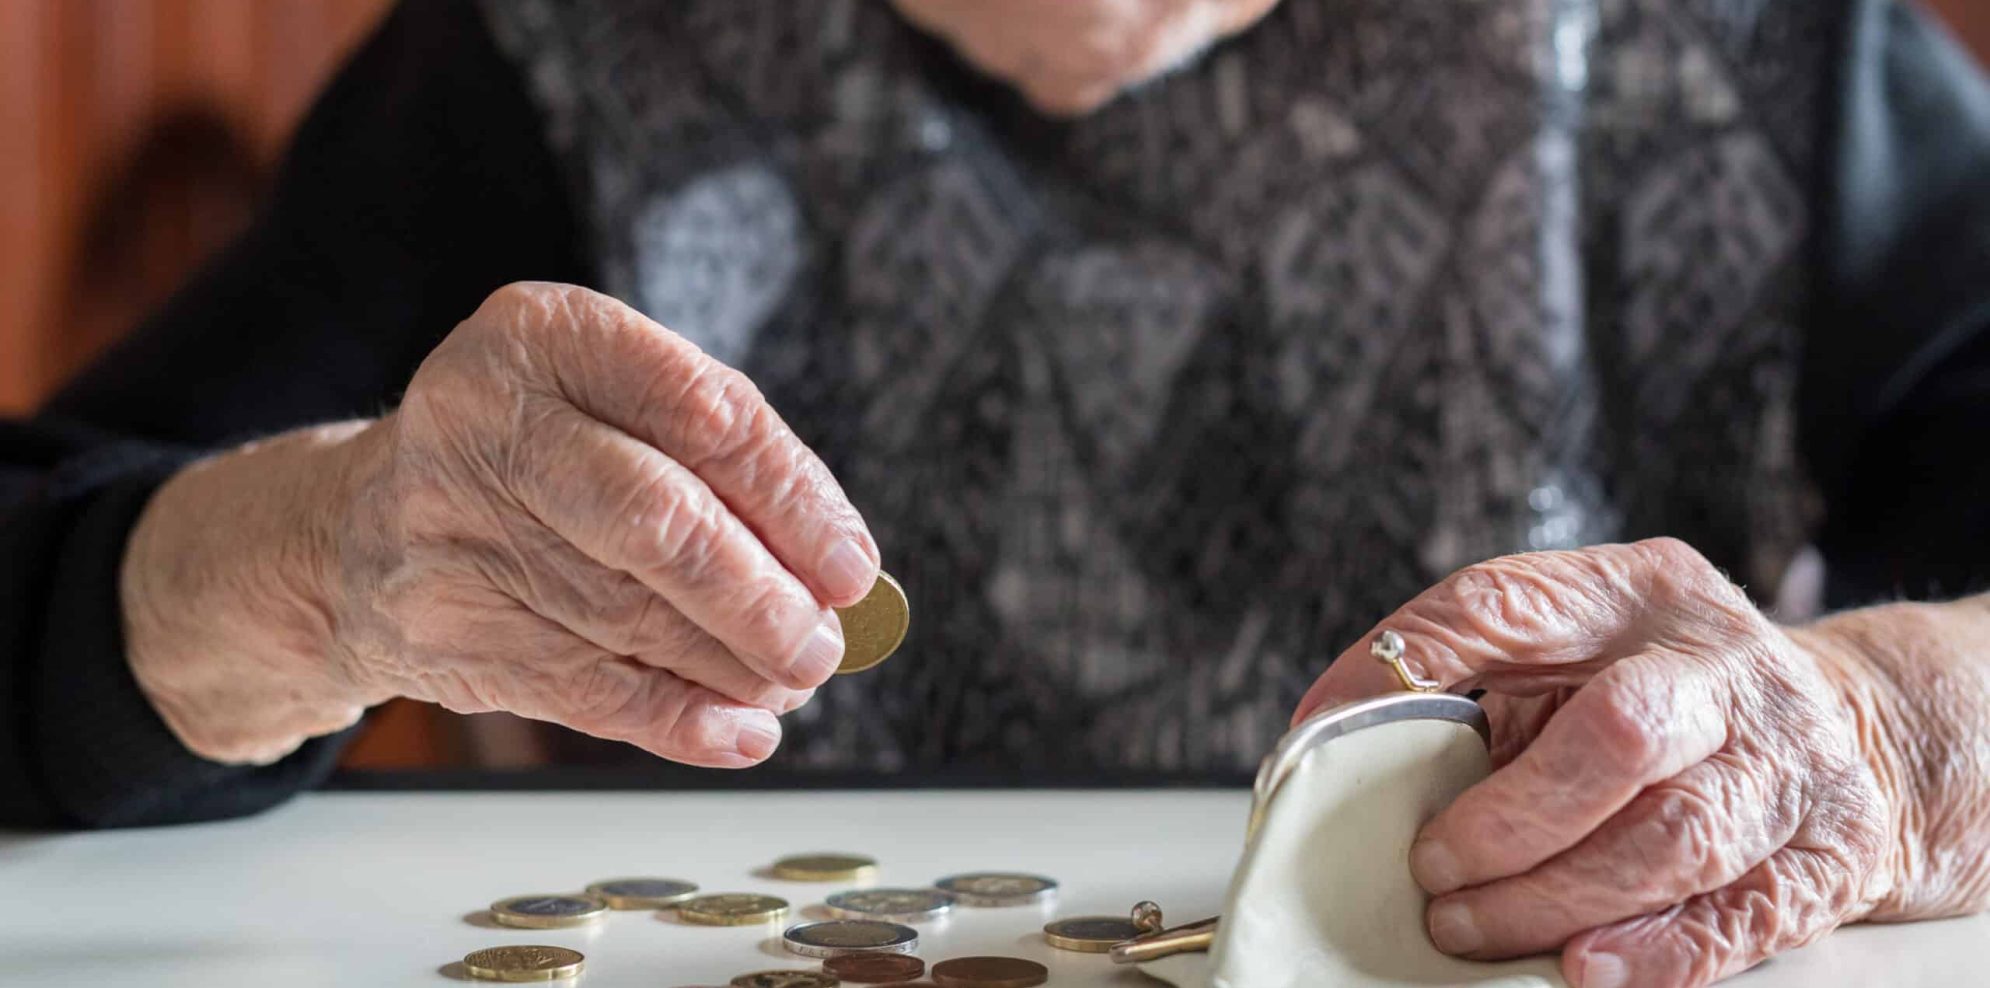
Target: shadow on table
[[18, 844], [664, 776], [104, 961]]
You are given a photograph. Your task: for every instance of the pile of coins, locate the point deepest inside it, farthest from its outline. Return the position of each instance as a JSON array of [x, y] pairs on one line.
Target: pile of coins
[[870, 940]]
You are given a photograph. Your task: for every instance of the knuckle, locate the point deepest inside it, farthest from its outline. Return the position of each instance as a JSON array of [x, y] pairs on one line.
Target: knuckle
[[519, 311], [768, 625], [648, 624], [1679, 572], [606, 695], [1707, 939], [516, 295], [718, 416], [693, 727], [1503, 600], [780, 472], [1620, 724], [1683, 834], [775, 697], [666, 526], [632, 619], [1668, 553]]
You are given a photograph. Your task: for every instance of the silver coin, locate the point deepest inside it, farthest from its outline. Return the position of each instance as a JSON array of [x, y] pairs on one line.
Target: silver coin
[[547, 911], [995, 888], [894, 905], [643, 893], [836, 937]]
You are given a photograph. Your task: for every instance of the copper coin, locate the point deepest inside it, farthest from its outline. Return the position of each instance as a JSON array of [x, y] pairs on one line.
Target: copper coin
[[871, 969], [989, 972]]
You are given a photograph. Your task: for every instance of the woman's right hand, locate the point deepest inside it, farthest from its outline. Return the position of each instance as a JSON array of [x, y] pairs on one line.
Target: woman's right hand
[[575, 515]]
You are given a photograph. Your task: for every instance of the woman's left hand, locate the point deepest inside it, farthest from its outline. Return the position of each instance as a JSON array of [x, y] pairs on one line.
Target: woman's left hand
[[1682, 787]]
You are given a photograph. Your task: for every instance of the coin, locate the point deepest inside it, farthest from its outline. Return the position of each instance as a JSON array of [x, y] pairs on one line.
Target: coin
[[994, 888], [524, 962], [547, 912], [989, 972], [848, 936], [896, 905], [825, 867], [642, 893], [1089, 934], [732, 909], [870, 969], [874, 627], [784, 979]]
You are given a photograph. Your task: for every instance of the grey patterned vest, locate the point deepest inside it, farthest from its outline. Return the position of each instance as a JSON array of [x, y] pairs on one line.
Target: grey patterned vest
[[1155, 412]]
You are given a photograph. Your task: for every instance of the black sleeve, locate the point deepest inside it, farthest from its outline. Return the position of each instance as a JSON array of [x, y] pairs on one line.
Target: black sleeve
[[1896, 386], [419, 183]]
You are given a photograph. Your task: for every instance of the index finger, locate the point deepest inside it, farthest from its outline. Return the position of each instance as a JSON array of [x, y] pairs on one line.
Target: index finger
[[628, 371], [1527, 623]]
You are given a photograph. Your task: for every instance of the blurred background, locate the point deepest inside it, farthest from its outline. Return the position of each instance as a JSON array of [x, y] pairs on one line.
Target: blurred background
[[137, 136]]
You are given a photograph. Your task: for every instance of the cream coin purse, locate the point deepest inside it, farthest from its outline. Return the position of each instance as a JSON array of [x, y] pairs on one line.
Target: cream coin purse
[[1323, 894]]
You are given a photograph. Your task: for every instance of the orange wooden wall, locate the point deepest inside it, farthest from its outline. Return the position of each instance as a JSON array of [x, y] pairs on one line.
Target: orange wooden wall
[[81, 79], [1970, 19]]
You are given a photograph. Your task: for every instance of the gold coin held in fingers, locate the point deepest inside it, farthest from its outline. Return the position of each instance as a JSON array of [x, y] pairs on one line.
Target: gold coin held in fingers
[[525, 962], [732, 909], [548, 912], [825, 868], [874, 627]]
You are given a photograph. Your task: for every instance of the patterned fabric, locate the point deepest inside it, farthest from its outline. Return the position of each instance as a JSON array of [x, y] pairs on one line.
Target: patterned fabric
[[1155, 412]]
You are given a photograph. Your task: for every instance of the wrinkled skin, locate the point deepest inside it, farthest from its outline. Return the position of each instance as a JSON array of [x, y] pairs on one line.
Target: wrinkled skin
[[1069, 57], [575, 515], [1683, 788]]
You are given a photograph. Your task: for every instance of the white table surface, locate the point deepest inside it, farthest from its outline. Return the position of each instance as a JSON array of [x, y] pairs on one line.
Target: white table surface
[[358, 889]]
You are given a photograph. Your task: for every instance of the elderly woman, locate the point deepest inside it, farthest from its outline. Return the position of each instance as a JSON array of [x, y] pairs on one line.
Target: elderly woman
[[1158, 374]]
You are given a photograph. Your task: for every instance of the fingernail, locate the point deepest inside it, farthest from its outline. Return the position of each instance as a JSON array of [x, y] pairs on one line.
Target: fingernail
[[1435, 867], [1454, 930], [846, 571], [759, 734], [1604, 971], [820, 655]]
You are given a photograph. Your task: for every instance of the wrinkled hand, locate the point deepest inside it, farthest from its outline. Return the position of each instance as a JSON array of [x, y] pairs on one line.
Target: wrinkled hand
[[576, 516], [1682, 788]]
